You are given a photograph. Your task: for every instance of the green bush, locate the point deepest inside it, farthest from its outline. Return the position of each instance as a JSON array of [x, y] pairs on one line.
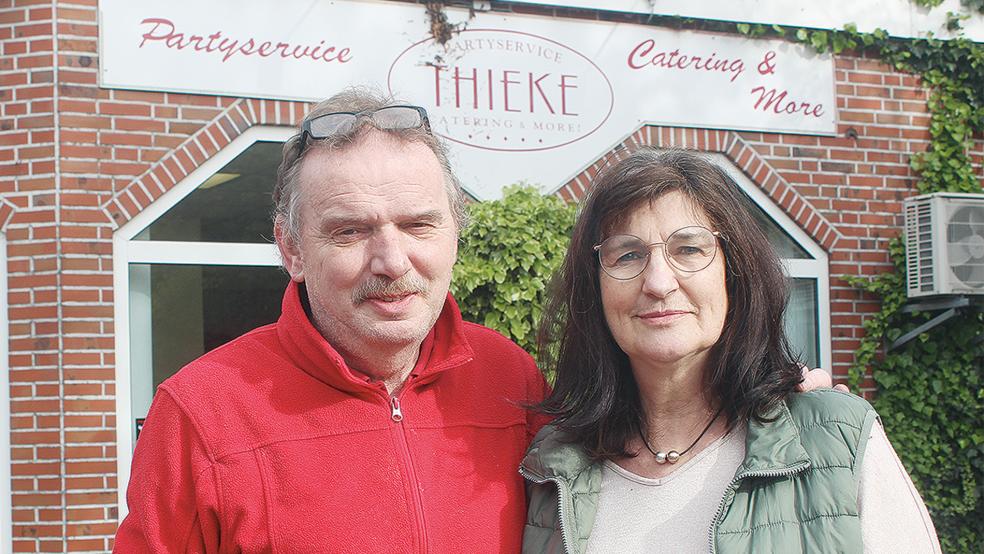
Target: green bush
[[506, 258]]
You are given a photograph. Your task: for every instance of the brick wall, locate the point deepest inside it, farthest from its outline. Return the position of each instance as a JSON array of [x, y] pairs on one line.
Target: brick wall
[[77, 162], [28, 213]]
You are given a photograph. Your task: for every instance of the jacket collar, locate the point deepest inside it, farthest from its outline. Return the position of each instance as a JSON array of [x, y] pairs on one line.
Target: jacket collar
[[770, 446], [773, 445], [444, 347], [551, 455]]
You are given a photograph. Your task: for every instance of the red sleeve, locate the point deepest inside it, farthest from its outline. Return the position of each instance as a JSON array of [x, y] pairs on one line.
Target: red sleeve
[[172, 499], [538, 391]]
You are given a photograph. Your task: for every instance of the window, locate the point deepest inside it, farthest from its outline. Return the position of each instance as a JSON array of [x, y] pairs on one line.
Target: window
[[808, 310], [194, 270], [231, 205]]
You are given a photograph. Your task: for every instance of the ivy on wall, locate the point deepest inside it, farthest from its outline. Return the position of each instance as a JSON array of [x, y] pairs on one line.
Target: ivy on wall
[[929, 391], [977, 5], [931, 402]]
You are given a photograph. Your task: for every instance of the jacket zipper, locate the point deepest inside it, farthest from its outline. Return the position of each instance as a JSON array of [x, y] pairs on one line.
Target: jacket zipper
[[396, 414], [561, 492], [729, 494]]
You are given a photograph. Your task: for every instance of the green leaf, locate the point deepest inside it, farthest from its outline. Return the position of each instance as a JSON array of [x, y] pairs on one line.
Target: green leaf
[[819, 41], [506, 258]]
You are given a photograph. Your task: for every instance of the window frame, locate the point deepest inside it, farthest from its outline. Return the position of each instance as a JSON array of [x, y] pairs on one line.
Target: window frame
[[818, 268], [128, 251]]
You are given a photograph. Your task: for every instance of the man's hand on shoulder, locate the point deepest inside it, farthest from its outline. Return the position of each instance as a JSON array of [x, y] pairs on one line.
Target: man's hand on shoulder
[[818, 378]]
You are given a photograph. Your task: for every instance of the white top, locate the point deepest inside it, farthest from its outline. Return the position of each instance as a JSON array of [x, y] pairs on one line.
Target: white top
[[674, 513]]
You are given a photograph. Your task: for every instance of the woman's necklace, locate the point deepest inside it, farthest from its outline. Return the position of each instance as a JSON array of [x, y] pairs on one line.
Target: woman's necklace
[[673, 456]]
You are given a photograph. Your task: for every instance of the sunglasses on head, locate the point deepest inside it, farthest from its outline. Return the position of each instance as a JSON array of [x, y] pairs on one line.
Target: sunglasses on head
[[388, 118]]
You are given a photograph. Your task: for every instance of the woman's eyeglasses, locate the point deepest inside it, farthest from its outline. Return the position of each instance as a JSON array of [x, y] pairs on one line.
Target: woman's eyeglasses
[[689, 249]]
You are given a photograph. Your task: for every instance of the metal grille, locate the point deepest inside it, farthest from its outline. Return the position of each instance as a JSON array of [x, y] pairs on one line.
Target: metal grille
[[919, 251]]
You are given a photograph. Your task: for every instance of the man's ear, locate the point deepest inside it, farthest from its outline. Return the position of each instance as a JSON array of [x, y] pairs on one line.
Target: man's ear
[[289, 252]]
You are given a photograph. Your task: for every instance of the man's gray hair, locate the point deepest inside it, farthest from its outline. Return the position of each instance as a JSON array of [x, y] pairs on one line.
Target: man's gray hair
[[286, 194]]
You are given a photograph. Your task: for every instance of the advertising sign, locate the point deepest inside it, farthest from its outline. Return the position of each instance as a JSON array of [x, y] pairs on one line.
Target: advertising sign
[[900, 18], [518, 98]]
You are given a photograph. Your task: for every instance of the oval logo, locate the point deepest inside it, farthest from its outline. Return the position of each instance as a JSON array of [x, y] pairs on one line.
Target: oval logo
[[504, 90]]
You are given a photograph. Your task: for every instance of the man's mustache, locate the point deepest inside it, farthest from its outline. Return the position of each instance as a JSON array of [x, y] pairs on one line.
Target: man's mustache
[[381, 287]]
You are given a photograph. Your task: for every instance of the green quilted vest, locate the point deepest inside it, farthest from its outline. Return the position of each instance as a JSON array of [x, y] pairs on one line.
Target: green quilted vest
[[796, 490]]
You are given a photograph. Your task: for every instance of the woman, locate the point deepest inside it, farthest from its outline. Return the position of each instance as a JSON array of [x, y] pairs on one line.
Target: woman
[[676, 429]]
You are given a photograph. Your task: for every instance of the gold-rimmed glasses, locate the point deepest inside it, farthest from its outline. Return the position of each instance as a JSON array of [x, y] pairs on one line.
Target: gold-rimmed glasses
[[688, 249]]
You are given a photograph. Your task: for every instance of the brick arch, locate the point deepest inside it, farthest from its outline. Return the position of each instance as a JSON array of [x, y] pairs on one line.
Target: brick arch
[[738, 151], [193, 152], [7, 210]]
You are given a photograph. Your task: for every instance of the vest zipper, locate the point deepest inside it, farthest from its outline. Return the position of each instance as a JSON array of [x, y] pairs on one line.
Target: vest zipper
[[561, 514], [729, 494], [396, 414]]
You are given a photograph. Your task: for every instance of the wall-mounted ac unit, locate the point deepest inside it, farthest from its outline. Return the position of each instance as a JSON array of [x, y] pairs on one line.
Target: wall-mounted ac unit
[[944, 251]]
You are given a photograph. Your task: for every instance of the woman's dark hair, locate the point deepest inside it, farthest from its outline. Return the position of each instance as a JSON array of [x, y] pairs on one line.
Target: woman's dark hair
[[595, 398]]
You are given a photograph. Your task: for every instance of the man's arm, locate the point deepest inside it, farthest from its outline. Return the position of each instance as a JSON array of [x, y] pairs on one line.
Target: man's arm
[[171, 497], [537, 389]]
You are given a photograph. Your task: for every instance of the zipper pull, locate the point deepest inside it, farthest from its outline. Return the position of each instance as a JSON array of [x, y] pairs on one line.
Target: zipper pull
[[397, 414]]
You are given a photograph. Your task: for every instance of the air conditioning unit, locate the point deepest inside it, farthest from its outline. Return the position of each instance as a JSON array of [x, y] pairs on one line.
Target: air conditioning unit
[[944, 251]]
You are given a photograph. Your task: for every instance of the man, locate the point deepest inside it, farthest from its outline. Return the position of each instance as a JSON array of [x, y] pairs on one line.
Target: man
[[370, 417]]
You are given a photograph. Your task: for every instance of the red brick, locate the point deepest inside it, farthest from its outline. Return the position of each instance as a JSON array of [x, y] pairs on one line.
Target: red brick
[[88, 529], [124, 109], [134, 124], [85, 514], [864, 104]]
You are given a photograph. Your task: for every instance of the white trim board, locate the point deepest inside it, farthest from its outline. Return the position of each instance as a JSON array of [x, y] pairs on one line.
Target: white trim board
[[203, 253], [6, 502]]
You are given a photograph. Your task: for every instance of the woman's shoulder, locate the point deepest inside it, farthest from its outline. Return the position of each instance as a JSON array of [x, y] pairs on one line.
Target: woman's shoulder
[[554, 453], [829, 428], [828, 402], [824, 407], [549, 433]]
